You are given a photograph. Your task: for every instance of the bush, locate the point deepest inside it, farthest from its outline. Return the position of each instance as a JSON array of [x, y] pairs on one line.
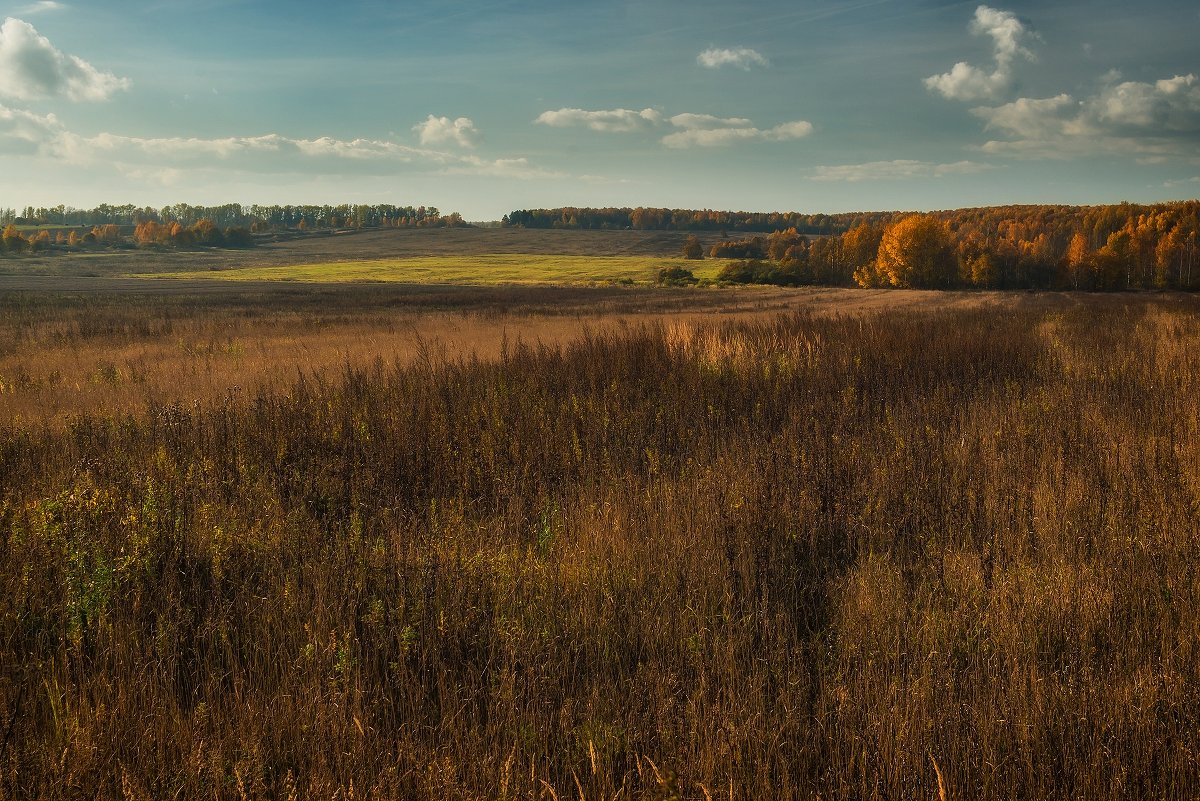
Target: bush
[[676, 276]]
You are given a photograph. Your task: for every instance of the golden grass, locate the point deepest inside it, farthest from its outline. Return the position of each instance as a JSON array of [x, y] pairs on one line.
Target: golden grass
[[60, 360]]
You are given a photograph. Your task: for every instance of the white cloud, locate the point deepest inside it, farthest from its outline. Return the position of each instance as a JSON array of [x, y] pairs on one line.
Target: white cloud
[[705, 130], [436, 130], [741, 57], [697, 130], [1149, 120], [26, 133], [709, 137], [31, 67], [1169, 105], [967, 82], [1006, 31], [41, 7], [708, 121], [898, 169], [519, 168], [796, 129], [1030, 118], [620, 120]]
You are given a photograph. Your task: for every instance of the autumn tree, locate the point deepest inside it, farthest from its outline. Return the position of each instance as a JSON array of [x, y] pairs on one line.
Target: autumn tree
[[752, 247], [860, 245], [786, 246], [108, 233], [917, 251], [149, 233], [1113, 264], [12, 240], [1079, 262], [206, 232], [692, 249]]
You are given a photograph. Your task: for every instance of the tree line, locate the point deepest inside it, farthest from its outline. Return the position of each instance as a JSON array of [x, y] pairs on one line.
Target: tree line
[[64, 228], [235, 215], [110, 235], [652, 219], [1042, 247]]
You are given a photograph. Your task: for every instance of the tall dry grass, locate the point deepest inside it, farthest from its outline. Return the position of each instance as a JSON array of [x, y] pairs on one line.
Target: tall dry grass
[[885, 556]]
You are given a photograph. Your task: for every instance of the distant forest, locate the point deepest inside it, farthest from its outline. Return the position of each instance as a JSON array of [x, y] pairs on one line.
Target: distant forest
[[1124, 246], [235, 215], [65, 229]]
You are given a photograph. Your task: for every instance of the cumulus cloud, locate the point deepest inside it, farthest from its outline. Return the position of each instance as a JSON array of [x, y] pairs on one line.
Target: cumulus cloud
[[967, 82], [1170, 105], [1031, 118], [898, 169], [31, 67], [1150, 120], [619, 120], [741, 57], [705, 130], [437, 130]]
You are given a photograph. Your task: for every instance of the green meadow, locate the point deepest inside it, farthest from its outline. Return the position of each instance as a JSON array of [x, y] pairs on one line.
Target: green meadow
[[505, 268]]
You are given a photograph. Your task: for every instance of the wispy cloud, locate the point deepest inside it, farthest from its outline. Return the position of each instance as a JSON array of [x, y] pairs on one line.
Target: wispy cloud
[[31, 67], [695, 130], [705, 130], [896, 170], [41, 7], [742, 58], [619, 120], [27, 133], [1182, 182], [967, 82], [438, 130]]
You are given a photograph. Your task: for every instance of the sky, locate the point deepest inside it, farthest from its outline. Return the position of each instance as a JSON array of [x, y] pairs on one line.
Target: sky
[[484, 106]]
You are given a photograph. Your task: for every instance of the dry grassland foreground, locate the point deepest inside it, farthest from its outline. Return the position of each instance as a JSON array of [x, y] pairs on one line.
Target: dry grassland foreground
[[551, 543]]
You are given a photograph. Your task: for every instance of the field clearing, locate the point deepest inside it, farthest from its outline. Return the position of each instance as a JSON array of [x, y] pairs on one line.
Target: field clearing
[[371, 244], [495, 268], [308, 522]]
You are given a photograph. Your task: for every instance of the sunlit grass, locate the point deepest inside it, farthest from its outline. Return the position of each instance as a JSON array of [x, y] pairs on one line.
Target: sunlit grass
[[486, 269]]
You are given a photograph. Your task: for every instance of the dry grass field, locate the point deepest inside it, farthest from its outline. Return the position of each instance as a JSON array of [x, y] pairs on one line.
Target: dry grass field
[[291, 541], [116, 346]]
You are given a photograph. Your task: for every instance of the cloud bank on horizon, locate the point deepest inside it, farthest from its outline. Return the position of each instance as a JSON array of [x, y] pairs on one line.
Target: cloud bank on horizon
[[880, 126]]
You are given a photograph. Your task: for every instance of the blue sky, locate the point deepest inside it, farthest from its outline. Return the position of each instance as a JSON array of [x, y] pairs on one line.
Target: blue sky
[[483, 107]]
